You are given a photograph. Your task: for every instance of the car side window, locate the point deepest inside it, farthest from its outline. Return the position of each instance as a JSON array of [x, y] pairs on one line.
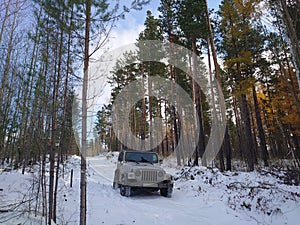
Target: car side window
[[154, 158], [120, 158]]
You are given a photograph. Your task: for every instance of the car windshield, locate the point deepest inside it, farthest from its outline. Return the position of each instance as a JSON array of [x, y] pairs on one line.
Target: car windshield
[[149, 157]]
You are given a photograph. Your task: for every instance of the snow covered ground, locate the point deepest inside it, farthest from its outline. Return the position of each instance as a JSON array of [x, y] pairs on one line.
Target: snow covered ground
[[201, 196]]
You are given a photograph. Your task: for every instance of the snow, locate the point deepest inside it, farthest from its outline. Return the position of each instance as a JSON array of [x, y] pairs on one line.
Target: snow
[[201, 196]]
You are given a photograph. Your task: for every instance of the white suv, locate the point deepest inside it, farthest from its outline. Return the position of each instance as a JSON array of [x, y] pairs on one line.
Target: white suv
[[141, 170]]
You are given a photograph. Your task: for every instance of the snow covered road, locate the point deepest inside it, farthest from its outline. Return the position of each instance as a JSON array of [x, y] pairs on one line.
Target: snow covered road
[[144, 208], [205, 207], [200, 197]]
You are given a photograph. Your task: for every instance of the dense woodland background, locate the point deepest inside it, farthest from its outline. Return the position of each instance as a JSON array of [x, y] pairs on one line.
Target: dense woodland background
[[43, 45], [258, 45]]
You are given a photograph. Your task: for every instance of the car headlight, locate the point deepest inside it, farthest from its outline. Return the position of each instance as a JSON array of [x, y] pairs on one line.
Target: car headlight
[[131, 176], [160, 173], [137, 173]]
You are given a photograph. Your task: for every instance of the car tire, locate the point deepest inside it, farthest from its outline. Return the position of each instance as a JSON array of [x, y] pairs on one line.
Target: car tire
[[166, 192], [125, 190]]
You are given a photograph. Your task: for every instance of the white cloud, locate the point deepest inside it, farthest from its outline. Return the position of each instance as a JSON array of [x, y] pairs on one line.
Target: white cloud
[[120, 37]]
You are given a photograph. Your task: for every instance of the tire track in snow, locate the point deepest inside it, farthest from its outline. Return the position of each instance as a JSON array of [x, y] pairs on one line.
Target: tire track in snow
[[94, 168]]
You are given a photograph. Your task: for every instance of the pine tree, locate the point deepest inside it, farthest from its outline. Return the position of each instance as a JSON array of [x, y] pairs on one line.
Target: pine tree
[[192, 21], [242, 46]]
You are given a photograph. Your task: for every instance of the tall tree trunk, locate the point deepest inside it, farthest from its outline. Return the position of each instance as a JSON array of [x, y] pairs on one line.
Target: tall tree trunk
[[161, 149], [5, 105], [227, 149], [292, 33], [54, 131], [201, 141], [284, 73], [150, 108], [174, 126], [226, 142], [9, 51], [5, 17], [56, 186], [254, 133], [83, 183], [167, 135], [193, 89], [144, 110], [214, 111], [247, 137], [261, 133], [44, 188]]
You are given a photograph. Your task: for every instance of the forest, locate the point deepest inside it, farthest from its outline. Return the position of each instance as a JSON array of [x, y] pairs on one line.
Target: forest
[[250, 47], [259, 77]]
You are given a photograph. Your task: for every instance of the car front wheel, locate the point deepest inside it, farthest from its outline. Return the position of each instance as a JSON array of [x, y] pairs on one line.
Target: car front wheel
[[166, 192], [125, 190]]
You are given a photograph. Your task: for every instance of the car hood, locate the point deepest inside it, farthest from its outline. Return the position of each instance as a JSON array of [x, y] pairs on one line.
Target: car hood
[[142, 165]]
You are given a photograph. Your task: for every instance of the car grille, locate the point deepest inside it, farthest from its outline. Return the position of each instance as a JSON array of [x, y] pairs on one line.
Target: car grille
[[149, 175]]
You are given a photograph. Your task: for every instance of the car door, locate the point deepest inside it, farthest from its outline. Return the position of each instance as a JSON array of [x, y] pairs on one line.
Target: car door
[[119, 164]]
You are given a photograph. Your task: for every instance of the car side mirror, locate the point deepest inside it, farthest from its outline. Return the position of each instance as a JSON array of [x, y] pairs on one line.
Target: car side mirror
[[160, 161]]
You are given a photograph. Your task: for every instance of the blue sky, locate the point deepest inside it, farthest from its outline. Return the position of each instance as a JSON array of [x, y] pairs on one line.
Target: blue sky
[[127, 30]]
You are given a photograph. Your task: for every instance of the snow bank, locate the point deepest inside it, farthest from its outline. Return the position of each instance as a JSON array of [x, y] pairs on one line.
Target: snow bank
[[201, 196]]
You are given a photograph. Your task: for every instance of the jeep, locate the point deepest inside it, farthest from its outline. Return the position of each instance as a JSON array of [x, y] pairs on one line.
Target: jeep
[[141, 170]]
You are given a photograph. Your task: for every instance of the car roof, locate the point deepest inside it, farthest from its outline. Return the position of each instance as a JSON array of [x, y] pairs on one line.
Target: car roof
[[130, 150]]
